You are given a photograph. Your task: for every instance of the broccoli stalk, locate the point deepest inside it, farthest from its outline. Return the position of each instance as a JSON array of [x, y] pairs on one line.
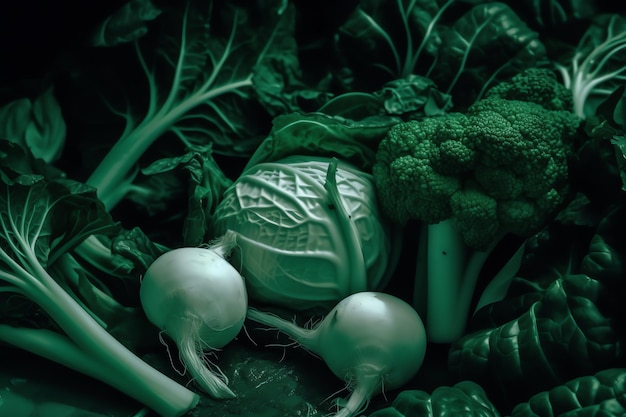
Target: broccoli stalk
[[447, 273], [446, 276], [472, 178]]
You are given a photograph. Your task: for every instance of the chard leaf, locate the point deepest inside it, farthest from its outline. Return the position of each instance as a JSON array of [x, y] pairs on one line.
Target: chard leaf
[[550, 13], [611, 119], [600, 394], [563, 335], [556, 12], [206, 184], [463, 47], [202, 85], [127, 24], [36, 125], [50, 216], [319, 134], [488, 43], [354, 105], [559, 320], [14, 117], [595, 67], [414, 97], [257, 49], [383, 41], [603, 44], [463, 398], [138, 248]]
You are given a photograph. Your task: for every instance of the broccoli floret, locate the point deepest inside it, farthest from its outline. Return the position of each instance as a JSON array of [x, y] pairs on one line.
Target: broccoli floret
[[535, 85], [506, 149], [423, 158], [476, 215], [499, 168]]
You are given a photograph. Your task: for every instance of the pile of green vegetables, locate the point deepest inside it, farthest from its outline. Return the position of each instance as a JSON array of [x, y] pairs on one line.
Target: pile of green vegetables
[[407, 174]]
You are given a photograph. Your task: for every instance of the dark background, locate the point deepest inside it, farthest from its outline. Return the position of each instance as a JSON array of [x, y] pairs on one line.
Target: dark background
[[34, 33]]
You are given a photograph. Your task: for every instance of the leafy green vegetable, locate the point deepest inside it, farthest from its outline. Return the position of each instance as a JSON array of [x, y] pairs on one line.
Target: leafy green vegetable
[[463, 398], [319, 134], [36, 125], [610, 126], [16, 157], [601, 394], [597, 65], [559, 322], [463, 49], [415, 96], [207, 183], [207, 91], [135, 246], [40, 222], [562, 335], [552, 14], [127, 24], [213, 71], [471, 178], [412, 97]]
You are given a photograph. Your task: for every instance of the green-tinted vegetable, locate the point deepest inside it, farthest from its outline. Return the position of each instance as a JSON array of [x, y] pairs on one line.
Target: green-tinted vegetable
[[597, 66], [199, 300], [464, 50], [465, 398], [309, 232], [40, 223], [37, 125], [373, 341], [560, 321], [602, 394], [211, 71], [472, 178]]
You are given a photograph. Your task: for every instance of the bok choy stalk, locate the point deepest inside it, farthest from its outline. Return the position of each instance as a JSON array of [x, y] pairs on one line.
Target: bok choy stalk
[[40, 222]]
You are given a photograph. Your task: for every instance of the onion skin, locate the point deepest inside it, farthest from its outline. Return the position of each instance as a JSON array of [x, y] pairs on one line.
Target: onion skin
[[372, 340], [200, 301]]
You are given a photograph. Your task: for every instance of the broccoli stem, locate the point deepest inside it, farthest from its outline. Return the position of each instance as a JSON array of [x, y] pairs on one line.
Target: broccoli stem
[[90, 349], [446, 276]]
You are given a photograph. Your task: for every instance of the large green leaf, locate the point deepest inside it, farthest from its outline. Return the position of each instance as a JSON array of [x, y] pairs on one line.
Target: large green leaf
[[561, 321], [37, 125], [50, 216], [600, 395], [206, 184], [488, 43], [318, 134], [384, 40], [551, 13], [465, 398], [204, 71], [563, 335], [463, 47]]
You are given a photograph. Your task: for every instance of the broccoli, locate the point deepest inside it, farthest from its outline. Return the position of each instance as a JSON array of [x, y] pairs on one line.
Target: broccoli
[[499, 168]]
